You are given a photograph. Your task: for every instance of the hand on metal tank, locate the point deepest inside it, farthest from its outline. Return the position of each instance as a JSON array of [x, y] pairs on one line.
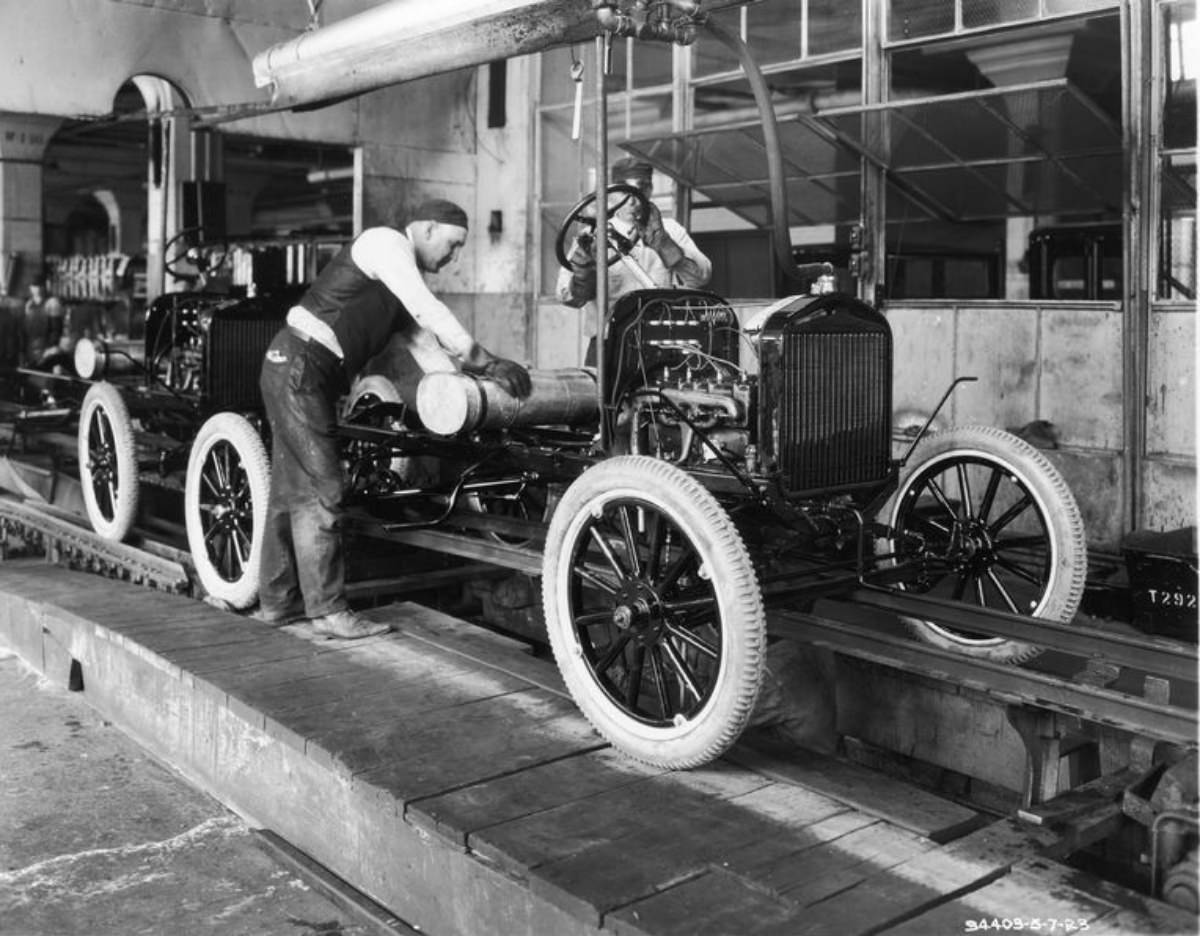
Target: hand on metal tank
[[511, 376]]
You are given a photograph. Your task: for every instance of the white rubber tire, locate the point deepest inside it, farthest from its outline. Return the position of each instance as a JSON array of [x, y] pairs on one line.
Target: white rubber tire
[[108, 470], [225, 507], [634, 481], [1027, 468]]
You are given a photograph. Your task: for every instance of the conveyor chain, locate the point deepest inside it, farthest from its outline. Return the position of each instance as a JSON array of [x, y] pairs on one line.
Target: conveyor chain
[[80, 548]]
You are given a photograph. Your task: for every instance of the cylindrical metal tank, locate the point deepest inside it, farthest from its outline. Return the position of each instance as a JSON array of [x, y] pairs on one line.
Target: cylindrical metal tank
[[452, 403], [95, 359]]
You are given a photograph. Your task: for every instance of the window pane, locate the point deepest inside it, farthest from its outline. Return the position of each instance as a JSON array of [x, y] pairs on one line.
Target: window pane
[[908, 19], [710, 56], [1181, 47], [649, 114], [936, 261], [991, 12], [557, 86], [773, 31], [726, 101], [564, 160], [652, 64], [833, 26], [617, 79], [1054, 7], [1177, 234]]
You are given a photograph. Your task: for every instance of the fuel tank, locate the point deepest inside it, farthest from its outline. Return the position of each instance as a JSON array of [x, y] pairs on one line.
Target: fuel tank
[[452, 403]]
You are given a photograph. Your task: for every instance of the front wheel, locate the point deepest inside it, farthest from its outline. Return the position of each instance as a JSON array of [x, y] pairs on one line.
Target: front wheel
[[108, 471], [225, 507], [654, 612], [987, 520]]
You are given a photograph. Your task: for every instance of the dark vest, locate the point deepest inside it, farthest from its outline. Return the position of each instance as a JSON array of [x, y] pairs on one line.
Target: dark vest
[[362, 312]]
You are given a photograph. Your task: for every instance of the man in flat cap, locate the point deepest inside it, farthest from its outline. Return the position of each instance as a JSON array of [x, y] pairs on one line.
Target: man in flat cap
[[371, 291], [662, 248]]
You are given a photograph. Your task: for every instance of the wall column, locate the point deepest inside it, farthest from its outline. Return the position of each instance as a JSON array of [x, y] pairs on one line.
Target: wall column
[[169, 162], [23, 141]]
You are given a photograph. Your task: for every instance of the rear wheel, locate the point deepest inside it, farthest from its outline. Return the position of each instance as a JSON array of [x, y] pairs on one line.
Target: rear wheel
[[370, 468], [225, 507], [990, 522], [654, 612], [108, 470]]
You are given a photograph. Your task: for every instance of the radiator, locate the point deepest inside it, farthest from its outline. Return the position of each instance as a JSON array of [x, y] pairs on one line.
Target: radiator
[[826, 393], [234, 354]]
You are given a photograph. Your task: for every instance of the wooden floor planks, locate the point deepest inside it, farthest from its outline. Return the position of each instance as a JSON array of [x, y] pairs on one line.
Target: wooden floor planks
[[468, 737], [449, 748], [461, 815]]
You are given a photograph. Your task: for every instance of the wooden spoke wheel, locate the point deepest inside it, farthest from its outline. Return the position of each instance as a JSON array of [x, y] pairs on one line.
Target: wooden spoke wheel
[[654, 611], [225, 507], [989, 522], [108, 471]]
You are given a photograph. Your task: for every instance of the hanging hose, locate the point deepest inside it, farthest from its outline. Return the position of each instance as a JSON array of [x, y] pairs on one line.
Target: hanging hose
[[778, 183]]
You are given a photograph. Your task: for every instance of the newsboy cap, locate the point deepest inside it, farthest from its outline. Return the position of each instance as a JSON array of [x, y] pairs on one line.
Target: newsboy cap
[[440, 210], [630, 167]]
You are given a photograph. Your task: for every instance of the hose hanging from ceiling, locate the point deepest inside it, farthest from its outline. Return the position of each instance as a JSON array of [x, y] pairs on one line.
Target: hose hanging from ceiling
[[775, 172]]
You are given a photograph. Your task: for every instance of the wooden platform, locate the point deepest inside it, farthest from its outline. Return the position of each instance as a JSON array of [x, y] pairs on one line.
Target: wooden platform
[[442, 770]]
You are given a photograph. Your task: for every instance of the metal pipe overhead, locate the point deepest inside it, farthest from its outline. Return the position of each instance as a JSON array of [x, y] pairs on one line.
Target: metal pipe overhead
[[400, 40]]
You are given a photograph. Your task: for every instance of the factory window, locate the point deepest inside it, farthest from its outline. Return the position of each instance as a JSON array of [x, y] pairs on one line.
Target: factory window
[[924, 19], [991, 144], [779, 32]]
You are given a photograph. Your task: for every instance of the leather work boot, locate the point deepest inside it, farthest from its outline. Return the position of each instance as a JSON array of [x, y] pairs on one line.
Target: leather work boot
[[291, 617], [348, 626]]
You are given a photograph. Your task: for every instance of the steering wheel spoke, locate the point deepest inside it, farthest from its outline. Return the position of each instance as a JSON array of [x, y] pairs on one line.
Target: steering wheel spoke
[[583, 215]]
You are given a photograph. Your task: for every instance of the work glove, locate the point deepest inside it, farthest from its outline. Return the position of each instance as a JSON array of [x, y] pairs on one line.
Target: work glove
[[583, 252], [511, 376], [653, 233]]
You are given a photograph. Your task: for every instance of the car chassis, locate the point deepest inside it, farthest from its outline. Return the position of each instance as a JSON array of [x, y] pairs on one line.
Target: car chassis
[[701, 495]]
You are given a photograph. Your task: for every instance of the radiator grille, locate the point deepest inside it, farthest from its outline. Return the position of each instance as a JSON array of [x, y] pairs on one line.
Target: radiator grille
[[235, 352], [835, 408]]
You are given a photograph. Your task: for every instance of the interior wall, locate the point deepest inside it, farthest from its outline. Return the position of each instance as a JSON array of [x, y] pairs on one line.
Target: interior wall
[[422, 138], [1054, 361]]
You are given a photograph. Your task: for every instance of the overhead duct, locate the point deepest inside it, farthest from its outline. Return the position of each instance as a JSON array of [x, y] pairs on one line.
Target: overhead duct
[[400, 40], [405, 39]]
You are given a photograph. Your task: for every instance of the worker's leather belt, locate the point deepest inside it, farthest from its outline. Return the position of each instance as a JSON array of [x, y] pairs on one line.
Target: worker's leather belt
[[307, 326]]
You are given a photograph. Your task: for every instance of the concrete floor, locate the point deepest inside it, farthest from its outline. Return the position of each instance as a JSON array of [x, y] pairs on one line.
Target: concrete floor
[[98, 838]]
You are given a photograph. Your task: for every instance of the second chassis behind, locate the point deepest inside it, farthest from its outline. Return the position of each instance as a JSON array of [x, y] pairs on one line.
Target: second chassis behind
[[184, 412]]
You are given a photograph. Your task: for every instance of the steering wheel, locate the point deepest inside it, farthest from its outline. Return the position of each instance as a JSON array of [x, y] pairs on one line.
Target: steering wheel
[[206, 257], [618, 243]]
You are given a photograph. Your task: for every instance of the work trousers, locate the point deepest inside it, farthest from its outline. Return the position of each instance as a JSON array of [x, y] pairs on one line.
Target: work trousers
[[302, 567]]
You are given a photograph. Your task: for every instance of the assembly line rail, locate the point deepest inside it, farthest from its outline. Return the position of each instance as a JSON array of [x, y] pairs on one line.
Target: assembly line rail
[[1165, 711]]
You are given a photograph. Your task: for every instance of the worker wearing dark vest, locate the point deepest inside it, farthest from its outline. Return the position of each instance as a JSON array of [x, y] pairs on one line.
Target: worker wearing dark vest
[[373, 289]]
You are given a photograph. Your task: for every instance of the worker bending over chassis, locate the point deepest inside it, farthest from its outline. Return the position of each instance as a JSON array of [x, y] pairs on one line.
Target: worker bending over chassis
[[371, 291]]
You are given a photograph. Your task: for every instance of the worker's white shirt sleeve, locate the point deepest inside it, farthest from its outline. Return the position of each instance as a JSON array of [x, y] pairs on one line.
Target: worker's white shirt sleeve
[[385, 254]]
